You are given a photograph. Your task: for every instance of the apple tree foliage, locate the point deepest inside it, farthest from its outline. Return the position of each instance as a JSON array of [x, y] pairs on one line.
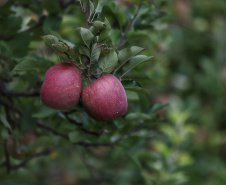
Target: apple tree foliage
[[40, 145]]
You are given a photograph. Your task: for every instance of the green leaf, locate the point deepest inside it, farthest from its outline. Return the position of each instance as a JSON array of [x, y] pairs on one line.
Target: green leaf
[[97, 27], [138, 90], [78, 36], [51, 22], [56, 34], [44, 112], [99, 8], [134, 62], [4, 121], [73, 54], [5, 133], [42, 141], [64, 51], [29, 64], [126, 54], [28, 122], [105, 33], [50, 40], [118, 13], [74, 137], [60, 47], [158, 106], [87, 36], [135, 161], [109, 62], [139, 116], [107, 23], [51, 6], [83, 50], [83, 4], [95, 53], [92, 9], [131, 85]]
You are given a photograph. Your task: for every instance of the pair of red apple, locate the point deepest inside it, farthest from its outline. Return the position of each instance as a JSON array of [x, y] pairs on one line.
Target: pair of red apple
[[103, 99]]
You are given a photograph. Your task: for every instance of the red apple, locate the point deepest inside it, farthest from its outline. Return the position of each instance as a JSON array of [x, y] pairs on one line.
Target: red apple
[[105, 98], [62, 87]]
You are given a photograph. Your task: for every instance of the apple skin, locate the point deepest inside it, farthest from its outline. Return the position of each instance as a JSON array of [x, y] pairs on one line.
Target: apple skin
[[62, 86], [105, 98]]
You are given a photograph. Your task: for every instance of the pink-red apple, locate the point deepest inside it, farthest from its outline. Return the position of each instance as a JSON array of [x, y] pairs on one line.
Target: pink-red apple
[[105, 98], [62, 87]]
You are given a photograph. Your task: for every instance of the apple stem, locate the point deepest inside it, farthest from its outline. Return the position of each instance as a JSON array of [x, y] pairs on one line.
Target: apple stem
[[93, 75], [89, 79]]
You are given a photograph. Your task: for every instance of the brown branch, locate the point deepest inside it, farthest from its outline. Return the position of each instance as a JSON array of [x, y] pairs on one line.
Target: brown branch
[[33, 27], [10, 106], [7, 161], [24, 93], [80, 143], [96, 176], [38, 24], [85, 144], [38, 154], [123, 36], [87, 14], [52, 130], [7, 38], [80, 126], [3, 164], [93, 75]]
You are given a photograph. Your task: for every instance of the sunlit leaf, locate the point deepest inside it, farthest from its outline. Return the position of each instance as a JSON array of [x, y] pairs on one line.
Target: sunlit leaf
[[134, 62], [126, 54], [87, 36], [95, 53], [131, 85], [108, 62]]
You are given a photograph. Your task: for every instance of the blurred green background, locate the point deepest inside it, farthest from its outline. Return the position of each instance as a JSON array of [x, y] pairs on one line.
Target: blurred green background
[[186, 142]]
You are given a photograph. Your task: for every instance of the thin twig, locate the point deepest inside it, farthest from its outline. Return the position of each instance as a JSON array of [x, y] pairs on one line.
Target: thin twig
[[8, 105], [123, 36], [80, 126], [87, 14], [7, 161], [7, 38], [38, 154], [85, 144], [91, 169], [38, 24], [72, 120], [52, 130], [3, 164], [93, 75], [33, 27], [24, 93]]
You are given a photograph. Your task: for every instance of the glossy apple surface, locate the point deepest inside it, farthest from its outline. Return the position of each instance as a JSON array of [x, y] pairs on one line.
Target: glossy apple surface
[[105, 98], [62, 87]]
